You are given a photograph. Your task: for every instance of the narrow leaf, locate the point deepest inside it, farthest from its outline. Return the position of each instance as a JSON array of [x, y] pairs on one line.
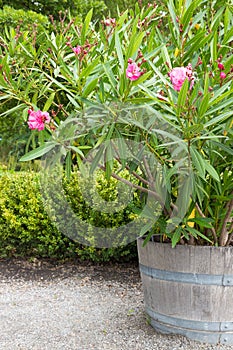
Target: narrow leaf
[[86, 25], [204, 105], [49, 102], [119, 51], [38, 152], [210, 169]]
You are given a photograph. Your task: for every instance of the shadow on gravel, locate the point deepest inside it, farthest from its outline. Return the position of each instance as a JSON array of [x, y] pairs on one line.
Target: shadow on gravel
[[47, 270]]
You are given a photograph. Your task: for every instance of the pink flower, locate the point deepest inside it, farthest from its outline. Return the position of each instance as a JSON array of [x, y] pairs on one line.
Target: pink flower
[[107, 22], [221, 66], [222, 75], [110, 22], [133, 72], [37, 119], [178, 76], [77, 50]]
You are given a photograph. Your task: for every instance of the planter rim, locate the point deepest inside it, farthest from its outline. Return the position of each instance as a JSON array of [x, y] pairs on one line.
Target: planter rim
[[186, 246]]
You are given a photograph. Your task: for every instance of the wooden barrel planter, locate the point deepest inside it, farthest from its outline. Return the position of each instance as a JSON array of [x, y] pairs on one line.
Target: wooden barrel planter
[[188, 290]]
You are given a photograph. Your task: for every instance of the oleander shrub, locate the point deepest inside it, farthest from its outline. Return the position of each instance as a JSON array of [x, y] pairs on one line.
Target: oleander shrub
[[160, 76], [27, 230]]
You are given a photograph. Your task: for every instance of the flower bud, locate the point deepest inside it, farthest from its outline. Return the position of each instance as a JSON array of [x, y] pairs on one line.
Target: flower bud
[[221, 66], [222, 75]]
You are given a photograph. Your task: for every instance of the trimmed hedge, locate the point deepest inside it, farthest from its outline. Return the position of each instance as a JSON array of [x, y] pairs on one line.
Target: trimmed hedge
[[26, 20], [26, 229], [122, 5], [54, 7]]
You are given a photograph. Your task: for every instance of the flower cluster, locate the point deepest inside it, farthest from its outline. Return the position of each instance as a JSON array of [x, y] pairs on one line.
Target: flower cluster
[[38, 119], [79, 50], [133, 70], [109, 22], [179, 74]]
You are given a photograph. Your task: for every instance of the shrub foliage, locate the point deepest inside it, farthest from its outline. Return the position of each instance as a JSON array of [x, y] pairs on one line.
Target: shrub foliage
[[26, 228]]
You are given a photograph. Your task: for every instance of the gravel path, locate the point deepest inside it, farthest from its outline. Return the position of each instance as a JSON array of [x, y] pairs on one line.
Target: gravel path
[[73, 307]]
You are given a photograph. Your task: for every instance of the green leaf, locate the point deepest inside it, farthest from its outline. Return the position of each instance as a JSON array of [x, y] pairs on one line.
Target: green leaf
[[228, 36], [189, 13], [166, 56], [213, 47], [122, 19], [111, 78], [49, 102], [77, 150], [199, 40], [119, 51], [86, 25], [196, 233], [13, 109], [173, 14], [206, 84], [220, 93], [220, 118], [134, 45], [90, 68], [210, 169], [198, 162], [96, 160], [160, 75], [228, 102], [109, 160], [142, 78], [68, 165], [194, 129], [176, 236], [223, 147], [38, 152], [121, 148], [203, 222], [204, 105], [25, 114], [89, 87], [146, 230], [72, 100], [60, 85]]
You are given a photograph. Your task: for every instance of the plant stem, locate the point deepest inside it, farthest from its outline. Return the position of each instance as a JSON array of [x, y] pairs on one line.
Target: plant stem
[[224, 233], [140, 178], [230, 237]]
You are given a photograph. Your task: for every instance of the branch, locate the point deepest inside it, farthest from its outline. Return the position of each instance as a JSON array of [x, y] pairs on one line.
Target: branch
[[224, 234], [148, 183], [230, 237], [130, 184], [140, 178], [140, 188], [146, 165]]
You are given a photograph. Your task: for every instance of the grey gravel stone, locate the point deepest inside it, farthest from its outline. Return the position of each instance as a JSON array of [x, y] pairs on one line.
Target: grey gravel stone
[[85, 308]]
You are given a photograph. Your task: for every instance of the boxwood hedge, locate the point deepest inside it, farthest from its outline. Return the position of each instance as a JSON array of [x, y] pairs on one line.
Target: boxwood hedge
[[26, 229]]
